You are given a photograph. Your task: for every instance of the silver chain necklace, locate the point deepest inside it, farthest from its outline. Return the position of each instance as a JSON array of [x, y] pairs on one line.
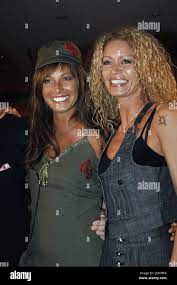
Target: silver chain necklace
[[124, 129]]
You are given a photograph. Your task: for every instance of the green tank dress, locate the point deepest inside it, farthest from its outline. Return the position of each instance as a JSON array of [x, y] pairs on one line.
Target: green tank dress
[[66, 198]]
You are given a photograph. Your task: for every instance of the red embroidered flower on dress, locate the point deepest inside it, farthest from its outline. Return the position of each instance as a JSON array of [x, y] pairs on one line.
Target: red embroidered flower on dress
[[86, 168], [73, 50]]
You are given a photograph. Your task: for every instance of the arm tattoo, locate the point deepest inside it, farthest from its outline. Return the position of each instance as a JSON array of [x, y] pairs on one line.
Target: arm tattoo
[[162, 120]]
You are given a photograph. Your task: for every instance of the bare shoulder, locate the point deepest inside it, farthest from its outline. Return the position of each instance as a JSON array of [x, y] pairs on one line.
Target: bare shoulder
[[165, 118], [166, 110]]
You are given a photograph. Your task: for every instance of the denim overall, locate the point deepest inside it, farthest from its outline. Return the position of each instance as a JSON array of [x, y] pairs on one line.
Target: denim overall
[[138, 212]]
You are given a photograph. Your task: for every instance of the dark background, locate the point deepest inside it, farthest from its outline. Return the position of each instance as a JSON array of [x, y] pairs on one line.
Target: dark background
[[81, 21]]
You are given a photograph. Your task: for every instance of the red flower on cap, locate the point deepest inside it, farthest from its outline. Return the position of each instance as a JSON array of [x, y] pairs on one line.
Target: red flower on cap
[[72, 48]]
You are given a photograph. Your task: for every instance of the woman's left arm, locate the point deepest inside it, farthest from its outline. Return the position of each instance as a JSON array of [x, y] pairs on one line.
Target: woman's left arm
[[166, 128]]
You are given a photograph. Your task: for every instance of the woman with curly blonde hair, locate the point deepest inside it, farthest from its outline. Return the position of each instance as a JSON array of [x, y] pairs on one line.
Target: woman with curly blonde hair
[[132, 86]]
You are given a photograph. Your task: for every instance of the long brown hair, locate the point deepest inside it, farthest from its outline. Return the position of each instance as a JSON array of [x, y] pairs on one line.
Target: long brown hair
[[42, 129]]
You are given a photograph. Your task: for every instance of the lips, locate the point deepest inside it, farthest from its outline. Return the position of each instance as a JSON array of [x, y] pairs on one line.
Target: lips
[[118, 82], [59, 99]]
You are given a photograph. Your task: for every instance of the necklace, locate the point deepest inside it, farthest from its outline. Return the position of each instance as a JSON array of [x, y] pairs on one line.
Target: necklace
[[124, 129]]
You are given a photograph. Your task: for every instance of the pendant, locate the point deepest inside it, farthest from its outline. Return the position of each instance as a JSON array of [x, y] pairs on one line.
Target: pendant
[[133, 129], [43, 175]]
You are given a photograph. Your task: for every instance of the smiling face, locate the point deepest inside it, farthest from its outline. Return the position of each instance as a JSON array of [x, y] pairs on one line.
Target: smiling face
[[60, 89], [118, 69]]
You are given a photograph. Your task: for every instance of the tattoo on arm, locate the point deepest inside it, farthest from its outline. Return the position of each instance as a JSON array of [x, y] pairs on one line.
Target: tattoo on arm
[[163, 120]]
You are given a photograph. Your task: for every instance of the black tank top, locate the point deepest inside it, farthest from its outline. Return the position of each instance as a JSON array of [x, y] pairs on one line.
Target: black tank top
[[142, 153]]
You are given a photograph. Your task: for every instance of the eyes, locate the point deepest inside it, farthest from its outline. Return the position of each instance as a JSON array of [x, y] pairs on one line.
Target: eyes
[[46, 80], [65, 78], [127, 61], [123, 61], [68, 78]]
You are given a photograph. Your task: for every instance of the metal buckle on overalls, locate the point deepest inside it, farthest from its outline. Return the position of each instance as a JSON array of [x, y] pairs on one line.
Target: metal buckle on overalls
[[120, 263], [120, 239]]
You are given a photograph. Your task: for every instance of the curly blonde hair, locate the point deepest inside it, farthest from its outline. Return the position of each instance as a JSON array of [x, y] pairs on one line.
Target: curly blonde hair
[[153, 67]]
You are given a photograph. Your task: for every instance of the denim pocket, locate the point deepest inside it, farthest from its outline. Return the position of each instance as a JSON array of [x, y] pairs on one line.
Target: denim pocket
[[122, 201]]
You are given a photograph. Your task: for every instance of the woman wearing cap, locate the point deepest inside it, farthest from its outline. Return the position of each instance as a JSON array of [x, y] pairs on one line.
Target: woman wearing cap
[[132, 83], [63, 148]]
